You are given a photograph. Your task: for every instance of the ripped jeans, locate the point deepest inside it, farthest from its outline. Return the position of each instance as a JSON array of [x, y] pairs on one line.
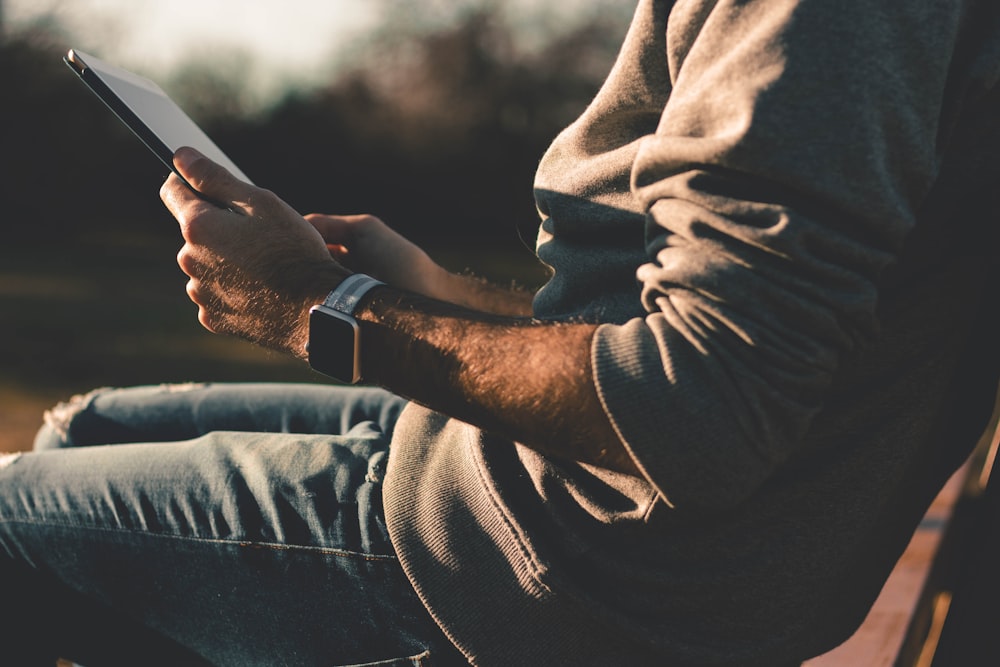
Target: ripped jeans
[[246, 529]]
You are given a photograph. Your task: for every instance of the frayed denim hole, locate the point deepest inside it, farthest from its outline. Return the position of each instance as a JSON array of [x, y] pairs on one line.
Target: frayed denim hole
[[62, 415]]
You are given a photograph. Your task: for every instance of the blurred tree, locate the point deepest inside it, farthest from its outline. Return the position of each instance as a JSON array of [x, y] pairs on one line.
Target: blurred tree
[[437, 125], [66, 159], [213, 88], [439, 132]]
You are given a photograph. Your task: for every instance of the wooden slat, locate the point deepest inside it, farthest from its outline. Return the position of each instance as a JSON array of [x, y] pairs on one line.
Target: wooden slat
[[879, 639]]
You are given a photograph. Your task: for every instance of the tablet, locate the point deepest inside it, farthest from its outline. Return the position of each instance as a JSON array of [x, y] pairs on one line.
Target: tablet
[[143, 106]]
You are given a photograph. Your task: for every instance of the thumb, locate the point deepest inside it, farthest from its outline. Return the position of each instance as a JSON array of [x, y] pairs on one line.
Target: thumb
[[209, 179]]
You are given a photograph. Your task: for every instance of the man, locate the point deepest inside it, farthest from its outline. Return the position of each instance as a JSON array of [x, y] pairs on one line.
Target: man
[[764, 347]]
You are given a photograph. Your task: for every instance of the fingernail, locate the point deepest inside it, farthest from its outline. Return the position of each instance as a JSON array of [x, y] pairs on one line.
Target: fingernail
[[186, 156]]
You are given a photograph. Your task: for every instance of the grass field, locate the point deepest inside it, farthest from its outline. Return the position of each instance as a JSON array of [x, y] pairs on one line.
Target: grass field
[[112, 311]]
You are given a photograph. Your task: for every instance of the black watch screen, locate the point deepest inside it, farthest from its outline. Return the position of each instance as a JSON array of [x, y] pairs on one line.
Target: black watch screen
[[334, 344]]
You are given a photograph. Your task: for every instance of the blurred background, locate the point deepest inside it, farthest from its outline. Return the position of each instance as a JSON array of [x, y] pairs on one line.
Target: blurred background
[[430, 114]]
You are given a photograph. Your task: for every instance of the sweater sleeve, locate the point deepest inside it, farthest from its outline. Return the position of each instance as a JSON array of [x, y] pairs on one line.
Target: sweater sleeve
[[797, 144]]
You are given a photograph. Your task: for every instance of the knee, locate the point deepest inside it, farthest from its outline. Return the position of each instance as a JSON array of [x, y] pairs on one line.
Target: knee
[[48, 437], [57, 429]]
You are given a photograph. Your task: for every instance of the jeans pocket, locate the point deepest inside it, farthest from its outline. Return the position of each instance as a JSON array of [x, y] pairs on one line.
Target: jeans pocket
[[420, 660]]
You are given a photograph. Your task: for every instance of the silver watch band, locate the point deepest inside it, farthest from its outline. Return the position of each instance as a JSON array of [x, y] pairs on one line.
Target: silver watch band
[[345, 297]]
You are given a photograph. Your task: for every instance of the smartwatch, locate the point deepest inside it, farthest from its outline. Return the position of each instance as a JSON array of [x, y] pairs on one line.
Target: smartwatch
[[334, 346]]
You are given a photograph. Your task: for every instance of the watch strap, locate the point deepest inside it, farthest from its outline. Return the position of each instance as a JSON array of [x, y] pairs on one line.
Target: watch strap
[[345, 297]]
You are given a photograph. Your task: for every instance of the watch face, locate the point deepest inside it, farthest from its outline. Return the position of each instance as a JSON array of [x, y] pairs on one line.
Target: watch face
[[334, 344]]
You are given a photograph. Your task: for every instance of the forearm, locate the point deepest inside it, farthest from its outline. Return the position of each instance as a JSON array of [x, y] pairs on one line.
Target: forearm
[[366, 244], [524, 379], [479, 294]]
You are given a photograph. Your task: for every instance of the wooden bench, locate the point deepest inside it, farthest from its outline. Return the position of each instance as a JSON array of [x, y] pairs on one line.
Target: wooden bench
[[931, 611]]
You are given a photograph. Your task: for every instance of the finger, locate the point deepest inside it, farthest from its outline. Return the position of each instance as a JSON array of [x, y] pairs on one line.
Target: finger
[[180, 200], [211, 180], [339, 253], [337, 233], [206, 321], [190, 263], [193, 290], [335, 229]]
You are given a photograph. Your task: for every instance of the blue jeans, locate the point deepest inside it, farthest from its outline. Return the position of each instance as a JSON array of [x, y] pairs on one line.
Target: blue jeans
[[245, 529]]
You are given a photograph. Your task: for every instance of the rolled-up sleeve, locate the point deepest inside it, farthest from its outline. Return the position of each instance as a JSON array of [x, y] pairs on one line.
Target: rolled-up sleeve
[[798, 142]]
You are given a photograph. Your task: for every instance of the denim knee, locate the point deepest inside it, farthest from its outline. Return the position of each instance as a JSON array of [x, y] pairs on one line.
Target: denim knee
[[57, 422]]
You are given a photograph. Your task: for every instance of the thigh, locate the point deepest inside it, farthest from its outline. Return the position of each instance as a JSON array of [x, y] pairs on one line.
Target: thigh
[[171, 412], [243, 548]]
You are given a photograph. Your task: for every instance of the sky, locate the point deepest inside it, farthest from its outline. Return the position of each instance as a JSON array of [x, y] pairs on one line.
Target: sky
[[158, 31], [287, 41], [286, 38]]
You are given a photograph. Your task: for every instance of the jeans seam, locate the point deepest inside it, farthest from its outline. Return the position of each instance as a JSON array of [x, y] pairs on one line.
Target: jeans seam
[[276, 546]]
